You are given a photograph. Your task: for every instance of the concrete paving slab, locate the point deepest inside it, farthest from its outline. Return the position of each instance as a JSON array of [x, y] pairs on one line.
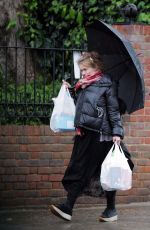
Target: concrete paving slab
[[132, 216]]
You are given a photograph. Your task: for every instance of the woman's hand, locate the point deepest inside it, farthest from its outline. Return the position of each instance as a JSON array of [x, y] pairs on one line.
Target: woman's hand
[[67, 85], [116, 139]]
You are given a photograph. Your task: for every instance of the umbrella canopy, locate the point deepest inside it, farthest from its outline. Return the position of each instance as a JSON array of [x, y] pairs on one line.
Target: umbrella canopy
[[120, 61]]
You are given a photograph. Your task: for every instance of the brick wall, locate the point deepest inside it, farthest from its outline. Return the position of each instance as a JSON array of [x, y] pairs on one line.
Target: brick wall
[[33, 159]]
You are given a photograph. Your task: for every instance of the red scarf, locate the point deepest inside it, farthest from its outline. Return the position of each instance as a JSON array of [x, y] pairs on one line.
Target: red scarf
[[88, 80], [83, 83]]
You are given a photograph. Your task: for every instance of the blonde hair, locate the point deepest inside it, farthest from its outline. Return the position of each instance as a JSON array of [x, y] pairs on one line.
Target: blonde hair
[[92, 59]]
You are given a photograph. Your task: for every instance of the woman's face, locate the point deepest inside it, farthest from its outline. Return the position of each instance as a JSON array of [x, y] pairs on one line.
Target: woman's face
[[85, 70]]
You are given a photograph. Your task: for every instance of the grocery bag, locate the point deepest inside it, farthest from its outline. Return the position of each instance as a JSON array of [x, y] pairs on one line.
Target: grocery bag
[[62, 118], [115, 171]]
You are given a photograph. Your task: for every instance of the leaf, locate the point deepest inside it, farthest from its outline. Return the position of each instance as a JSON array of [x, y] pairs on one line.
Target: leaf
[[11, 24], [92, 2], [72, 13], [64, 11], [79, 18]]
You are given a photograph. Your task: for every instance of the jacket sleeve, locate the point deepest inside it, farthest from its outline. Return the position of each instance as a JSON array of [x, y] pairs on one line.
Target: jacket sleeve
[[113, 111], [73, 93]]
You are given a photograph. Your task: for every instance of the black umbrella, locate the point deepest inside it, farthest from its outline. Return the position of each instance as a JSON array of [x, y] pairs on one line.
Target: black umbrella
[[120, 61]]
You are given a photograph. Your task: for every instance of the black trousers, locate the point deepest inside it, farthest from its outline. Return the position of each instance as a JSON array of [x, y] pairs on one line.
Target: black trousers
[[85, 164]]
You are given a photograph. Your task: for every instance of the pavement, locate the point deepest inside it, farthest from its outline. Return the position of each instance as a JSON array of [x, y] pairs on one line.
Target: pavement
[[130, 216]]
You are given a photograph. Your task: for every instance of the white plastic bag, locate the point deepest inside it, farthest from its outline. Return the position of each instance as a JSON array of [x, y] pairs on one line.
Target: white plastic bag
[[115, 171], [62, 118]]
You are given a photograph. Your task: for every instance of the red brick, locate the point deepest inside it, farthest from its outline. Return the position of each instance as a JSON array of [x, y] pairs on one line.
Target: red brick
[[9, 178], [143, 162], [4, 140], [57, 185], [61, 155], [31, 193], [35, 155], [45, 155], [143, 176], [18, 130], [20, 186], [147, 111], [45, 170], [44, 192], [8, 186], [144, 154], [21, 170], [33, 177], [9, 148], [2, 170], [21, 178], [147, 140], [137, 45], [33, 170], [10, 162], [22, 155], [56, 192], [56, 162], [132, 148], [143, 191], [8, 194], [34, 130], [55, 177], [24, 148], [144, 169], [146, 30], [136, 184], [146, 184], [42, 185], [135, 140], [66, 162], [50, 170], [23, 162], [34, 139], [7, 155], [147, 38], [145, 46], [6, 130], [44, 178], [32, 185], [12, 140], [9, 170]]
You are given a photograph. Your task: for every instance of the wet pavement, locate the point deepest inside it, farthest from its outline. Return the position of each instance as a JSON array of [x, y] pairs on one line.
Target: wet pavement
[[131, 216]]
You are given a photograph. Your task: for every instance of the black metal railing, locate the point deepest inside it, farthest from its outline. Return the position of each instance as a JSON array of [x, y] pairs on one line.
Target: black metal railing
[[29, 79]]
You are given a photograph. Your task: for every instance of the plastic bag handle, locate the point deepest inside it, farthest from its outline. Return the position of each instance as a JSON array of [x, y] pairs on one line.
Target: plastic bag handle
[[121, 150], [119, 146], [112, 148]]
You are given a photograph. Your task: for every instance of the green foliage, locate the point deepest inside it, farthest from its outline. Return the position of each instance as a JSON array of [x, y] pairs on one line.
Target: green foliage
[[63, 21], [28, 103], [113, 11], [55, 21]]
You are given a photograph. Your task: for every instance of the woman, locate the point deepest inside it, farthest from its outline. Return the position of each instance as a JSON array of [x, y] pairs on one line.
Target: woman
[[98, 125]]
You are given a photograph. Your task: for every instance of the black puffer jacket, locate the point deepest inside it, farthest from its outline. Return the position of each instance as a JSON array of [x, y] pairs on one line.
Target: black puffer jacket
[[97, 108]]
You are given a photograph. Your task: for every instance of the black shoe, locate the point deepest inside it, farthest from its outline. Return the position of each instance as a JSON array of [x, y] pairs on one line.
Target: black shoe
[[61, 211], [109, 215]]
